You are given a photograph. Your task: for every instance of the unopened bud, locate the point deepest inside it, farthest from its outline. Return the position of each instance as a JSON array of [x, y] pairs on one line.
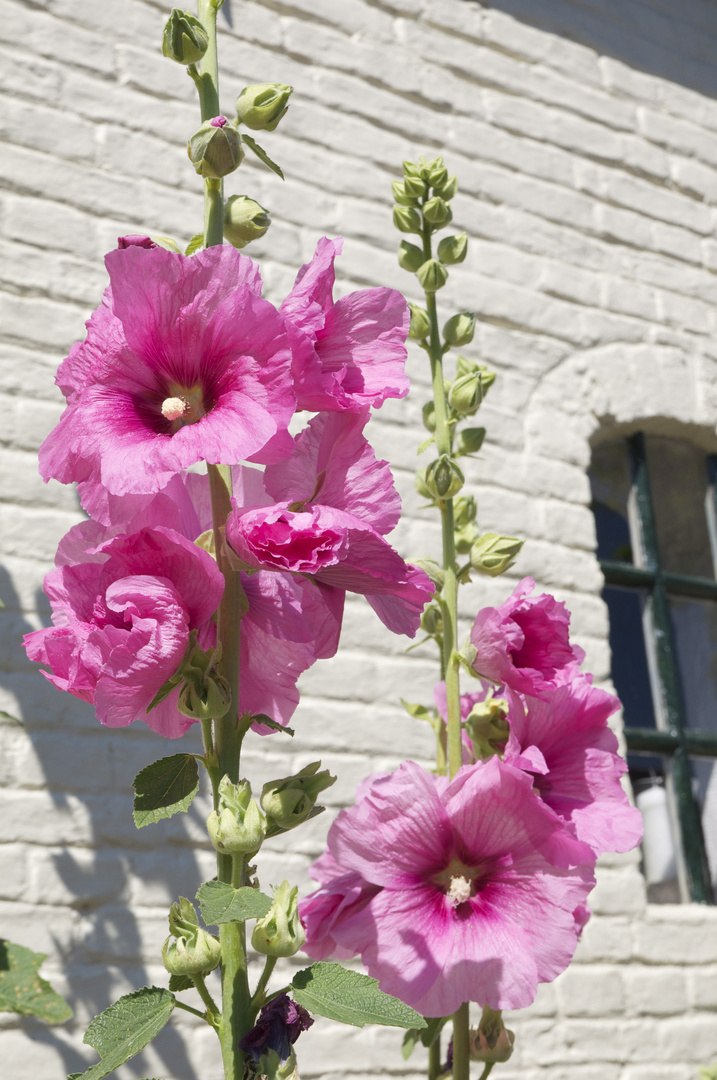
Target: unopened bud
[[460, 328], [447, 190], [289, 801], [407, 219], [414, 187], [444, 478], [410, 257], [452, 249], [420, 323], [195, 951], [464, 510], [466, 394], [238, 825], [470, 440], [244, 220], [421, 486], [493, 554], [433, 570], [280, 932], [432, 620], [215, 149], [411, 169], [261, 106], [432, 275], [437, 173], [400, 194], [437, 212], [429, 416], [492, 1042], [465, 538], [185, 39]]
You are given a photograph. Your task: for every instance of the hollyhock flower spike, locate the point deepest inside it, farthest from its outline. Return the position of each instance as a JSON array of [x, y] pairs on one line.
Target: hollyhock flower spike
[[564, 742], [123, 612], [476, 887], [348, 354], [183, 361], [333, 491], [524, 642]]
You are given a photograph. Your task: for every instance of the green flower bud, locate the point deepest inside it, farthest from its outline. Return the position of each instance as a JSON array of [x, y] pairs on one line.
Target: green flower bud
[[410, 169], [195, 951], [400, 194], [410, 257], [261, 106], [244, 220], [493, 554], [447, 190], [465, 538], [488, 728], [444, 479], [215, 149], [437, 173], [460, 328], [407, 219], [492, 1041], [414, 187], [470, 440], [434, 571], [437, 212], [238, 825], [432, 620], [466, 394], [429, 416], [420, 323], [185, 39], [452, 249], [432, 275], [421, 486], [464, 510], [289, 801], [280, 932]]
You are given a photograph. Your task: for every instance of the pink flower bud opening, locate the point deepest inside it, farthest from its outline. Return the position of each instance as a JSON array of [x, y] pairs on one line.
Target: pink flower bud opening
[[218, 121]]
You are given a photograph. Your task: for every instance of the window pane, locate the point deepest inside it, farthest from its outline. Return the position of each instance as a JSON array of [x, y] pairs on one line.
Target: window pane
[[678, 481], [694, 625], [704, 784], [610, 484], [628, 663]]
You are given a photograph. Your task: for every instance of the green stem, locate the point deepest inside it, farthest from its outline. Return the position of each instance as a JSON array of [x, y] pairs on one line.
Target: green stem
[[212, 1009], [487, 1071], [434, 1059], [207, 84], [258, 1000], [190, 1009], [450, 663]]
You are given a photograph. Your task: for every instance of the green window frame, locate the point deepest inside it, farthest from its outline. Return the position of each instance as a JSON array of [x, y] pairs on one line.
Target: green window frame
[[673, 738]]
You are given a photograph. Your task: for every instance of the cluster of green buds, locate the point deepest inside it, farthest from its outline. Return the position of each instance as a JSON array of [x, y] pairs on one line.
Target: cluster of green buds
[[291, 800], [238, 825], [194, 951], [422, 207], [280, 932], [205, 693]]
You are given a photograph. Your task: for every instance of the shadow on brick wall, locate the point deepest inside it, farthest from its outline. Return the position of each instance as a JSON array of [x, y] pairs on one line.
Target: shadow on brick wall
[[72, 787], [675, 41]]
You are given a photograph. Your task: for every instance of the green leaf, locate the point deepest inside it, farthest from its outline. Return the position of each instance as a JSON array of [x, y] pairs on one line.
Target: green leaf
[[262, 154], [427, 1035], [164, 691], [10, 718], [267, 721], [195, 244], [164, 788], [222, 903], [168, 243], [351, 998], [178, 983], [125, 1028], [425, 444], [418, 712], [23, 991], [409, 1043]]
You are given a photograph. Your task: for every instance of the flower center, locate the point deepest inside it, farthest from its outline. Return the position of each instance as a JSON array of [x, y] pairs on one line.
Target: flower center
[[458, 882], [183, 406], [459, 890]]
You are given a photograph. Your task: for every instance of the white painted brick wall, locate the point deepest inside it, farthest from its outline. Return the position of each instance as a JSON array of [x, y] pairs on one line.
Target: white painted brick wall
[[584, 134]]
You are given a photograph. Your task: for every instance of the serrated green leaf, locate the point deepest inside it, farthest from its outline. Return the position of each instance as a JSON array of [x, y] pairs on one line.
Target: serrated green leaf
[[350, 997], [168, 243], [267, 721], [165, 788], [425, 444], [222, 903], [125, 1028], [195, 244], [23, 991], [11, 719], [262, 154], [178, 983]]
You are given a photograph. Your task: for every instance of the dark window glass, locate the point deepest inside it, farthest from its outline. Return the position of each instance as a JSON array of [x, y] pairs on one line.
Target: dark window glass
[[610, 484], [694, 626], [630, 672], [678, 482]]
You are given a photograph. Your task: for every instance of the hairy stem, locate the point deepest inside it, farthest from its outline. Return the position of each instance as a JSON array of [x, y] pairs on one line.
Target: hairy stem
[[450, 663], [207, 83]]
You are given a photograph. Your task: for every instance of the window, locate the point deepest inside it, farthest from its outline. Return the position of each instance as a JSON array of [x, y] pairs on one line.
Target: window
[[654, 506]]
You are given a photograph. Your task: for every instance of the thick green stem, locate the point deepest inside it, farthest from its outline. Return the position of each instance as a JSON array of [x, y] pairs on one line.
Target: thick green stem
[[207, 83], [449, 605], [434, 1059]]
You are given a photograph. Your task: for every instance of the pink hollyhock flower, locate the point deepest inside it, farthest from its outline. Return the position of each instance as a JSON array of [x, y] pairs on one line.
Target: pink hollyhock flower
[[183, 361], [336, 501], [290, 623], [476, 887], [524, 643], [348, 354], [341, 896], [123, 612], [564, 742]]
